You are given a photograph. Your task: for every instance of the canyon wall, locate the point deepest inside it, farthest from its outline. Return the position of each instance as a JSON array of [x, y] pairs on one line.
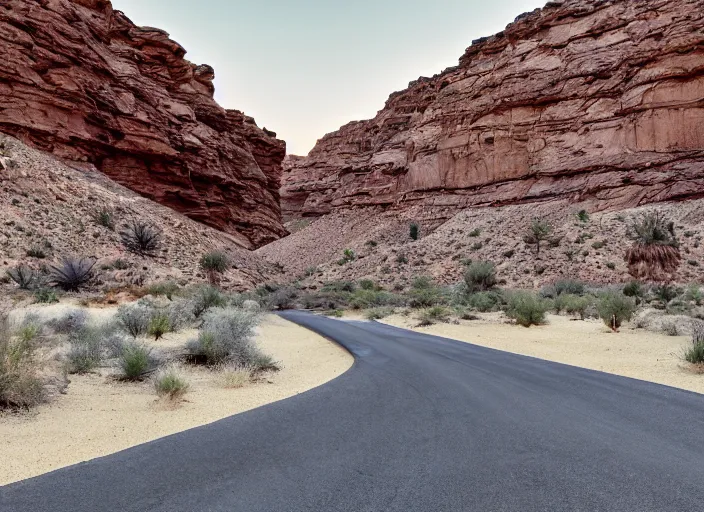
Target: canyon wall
[[597, 101], [80, 80]]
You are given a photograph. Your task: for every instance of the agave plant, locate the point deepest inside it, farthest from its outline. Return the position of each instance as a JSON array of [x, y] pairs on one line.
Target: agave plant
[[655, 253], [72, 273], [22, 275], [141, 237]]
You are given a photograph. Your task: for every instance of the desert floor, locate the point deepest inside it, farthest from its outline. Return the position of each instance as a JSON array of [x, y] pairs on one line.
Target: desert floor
[[99, 416]]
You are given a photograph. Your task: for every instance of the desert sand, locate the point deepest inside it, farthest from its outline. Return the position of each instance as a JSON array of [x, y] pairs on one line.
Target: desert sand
[[635, 353], [98, 416]]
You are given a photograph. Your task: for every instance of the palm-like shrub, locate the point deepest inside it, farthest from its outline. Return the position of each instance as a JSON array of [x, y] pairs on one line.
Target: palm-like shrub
[[22, 275], [72, 273], [655, 253], [141, 238], [214, 263]]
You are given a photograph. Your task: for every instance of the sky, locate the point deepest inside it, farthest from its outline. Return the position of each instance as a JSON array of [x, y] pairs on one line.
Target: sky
[[303, 68]]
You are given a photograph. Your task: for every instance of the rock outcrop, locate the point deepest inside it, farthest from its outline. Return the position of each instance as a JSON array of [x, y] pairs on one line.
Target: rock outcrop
[[80, 80], [600, 101]]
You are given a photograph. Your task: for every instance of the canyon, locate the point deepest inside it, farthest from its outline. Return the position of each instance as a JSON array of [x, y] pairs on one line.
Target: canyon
[[599, 102], [81, 81]]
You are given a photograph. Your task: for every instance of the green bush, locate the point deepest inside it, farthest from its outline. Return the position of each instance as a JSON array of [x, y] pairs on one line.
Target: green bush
[[283, 298], [583, 216], [159, 324], [615, 308], [694, 293], [134, 319], [484, 301], [363, 299], [424, 293], [480, 276], [475, 232], [36, 252], [633, 289], [695, 353], [413, 231], [434, 315], [104, 217], [378, 313], [214, 263], [339, 286], [165, 288], [226, 337], [45, 296], [205, 298], [135, 361], [367, 284], [87, 346], [348, 255], [526, 308], [665, 293], [564, 286], [169, 383], [575, 305]]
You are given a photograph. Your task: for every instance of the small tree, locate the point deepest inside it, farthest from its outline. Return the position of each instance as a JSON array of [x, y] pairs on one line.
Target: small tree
[[214, 263], [538, 231], [655, 253], [615, 308], [413, 231]]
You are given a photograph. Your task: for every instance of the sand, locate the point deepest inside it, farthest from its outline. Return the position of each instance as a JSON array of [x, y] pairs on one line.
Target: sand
[[98, 416], [635, 353]]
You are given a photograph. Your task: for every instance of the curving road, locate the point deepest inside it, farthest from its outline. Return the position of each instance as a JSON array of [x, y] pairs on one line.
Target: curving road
[[418, 424]]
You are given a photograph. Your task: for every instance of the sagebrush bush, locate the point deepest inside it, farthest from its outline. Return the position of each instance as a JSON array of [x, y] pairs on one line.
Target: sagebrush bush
[[564, 286], [135, 361], [226, 337], [615, 308], [180, 314], [214, 263], [367, 284], [526, 308], [283, 298], [633, 289], [165, 288], [364, 299], [141, 238], [22, 275], [134, 318], [170, 383], [72, 273], [251, 305], [670, 328], [20, 385], [665, 292], [205, 298], [480, 276], [70, 321], [378, 313], [424, 293], [434, 315], [484, 301], [86, 349], [159, 324], [45, 296]]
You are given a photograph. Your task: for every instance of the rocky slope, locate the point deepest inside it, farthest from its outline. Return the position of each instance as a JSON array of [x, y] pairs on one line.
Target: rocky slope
[[600, 101], [80, 80], [47, 211]]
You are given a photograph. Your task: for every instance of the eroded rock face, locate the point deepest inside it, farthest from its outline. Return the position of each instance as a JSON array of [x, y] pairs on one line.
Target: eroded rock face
[[597, 101], [80, 80]]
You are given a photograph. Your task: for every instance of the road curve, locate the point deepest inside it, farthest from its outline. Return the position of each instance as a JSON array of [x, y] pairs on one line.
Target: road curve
[[418, 424]]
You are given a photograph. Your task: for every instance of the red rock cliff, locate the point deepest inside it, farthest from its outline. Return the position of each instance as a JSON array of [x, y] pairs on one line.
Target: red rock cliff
[[599, 101], [80, 80]]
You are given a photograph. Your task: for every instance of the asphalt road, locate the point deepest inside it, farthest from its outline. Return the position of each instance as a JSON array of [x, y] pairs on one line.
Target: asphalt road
[[418, 424]]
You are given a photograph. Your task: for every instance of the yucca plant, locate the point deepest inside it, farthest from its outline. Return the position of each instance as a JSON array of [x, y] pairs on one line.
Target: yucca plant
[[141, 238], [72, 273], [22, 275], [655, 253], [214, 263]]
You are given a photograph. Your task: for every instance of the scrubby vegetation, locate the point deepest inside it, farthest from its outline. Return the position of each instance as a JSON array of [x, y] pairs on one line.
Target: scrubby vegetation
[[413, 231], [538, 232], [23, 276], [170, 383], [20, 384], [615, 308], [526, 308], [655, 253], [141, 238], [214, 264]]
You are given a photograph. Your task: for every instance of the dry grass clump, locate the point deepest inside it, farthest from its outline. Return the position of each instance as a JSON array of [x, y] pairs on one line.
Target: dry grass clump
[[170, 383], [233, 376], [695, 353]]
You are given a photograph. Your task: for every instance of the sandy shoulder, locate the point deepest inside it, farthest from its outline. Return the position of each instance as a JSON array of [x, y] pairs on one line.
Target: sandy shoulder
[[98, 417], [635, 353]]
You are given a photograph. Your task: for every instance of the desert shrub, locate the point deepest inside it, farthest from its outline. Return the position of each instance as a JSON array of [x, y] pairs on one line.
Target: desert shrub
[[226, 337], [159, 324], [335, 313], [36, 252], [45, 296], [655, 253], [480, 276], [205, 298], [20, 385], [670, 328], [573, 305], [339, 286], [141, 237], [401, 259], [367, 284], [214, 263], [135, 361], [283, 298], [104, 217], [378, 313], [564, 286], [165, 288], [599, 244], [86, 349], [424, 293], [326, 300], [348, 255], [583, 216], [434, 315], [70, 321], [633, 289], [526, 308], [120, 264], [475, 232], [72, 273], [538, 231], [413, 231], [170, 383], [484, 301], [665, 293], [465, 314], [251, 306], [134, 319], [694, 293], [233, 377], [22, 275], [363, 299], [695, 353], [615, 308]]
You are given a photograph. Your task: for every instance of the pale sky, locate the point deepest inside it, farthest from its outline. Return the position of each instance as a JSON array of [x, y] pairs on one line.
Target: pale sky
[[303, 68]]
